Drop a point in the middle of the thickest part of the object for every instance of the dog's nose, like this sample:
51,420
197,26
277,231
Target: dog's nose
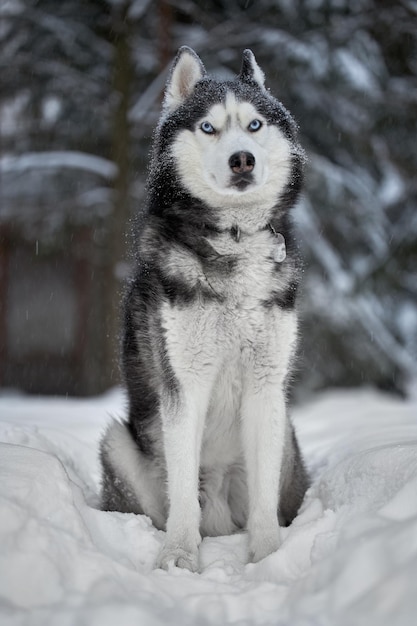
242,162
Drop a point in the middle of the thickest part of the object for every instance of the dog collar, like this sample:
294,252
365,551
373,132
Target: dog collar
280,251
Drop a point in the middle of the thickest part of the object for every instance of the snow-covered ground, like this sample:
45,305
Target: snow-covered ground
350,558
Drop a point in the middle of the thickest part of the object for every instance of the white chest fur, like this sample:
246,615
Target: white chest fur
252,277
214,347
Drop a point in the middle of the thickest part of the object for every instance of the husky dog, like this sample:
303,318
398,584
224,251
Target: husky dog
210,325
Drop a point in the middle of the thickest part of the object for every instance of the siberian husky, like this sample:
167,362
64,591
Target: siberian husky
210,324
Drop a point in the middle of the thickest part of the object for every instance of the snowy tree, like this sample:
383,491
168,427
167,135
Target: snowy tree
65,151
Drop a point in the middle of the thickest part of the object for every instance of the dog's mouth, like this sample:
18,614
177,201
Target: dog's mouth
241,181
237,184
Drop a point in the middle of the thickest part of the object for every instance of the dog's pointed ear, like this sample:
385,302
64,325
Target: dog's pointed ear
186,71
250,71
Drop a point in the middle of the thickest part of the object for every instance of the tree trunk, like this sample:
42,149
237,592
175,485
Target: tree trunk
115,240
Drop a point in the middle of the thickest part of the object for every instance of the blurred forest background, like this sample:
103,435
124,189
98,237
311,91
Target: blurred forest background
80,92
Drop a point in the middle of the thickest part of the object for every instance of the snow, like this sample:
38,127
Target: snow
350,558
358,73
58,159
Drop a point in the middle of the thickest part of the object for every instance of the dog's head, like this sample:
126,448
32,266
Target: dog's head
232,144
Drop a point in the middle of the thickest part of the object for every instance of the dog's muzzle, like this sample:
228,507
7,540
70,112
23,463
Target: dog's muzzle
242,165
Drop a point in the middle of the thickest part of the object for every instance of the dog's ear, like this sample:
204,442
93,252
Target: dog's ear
250,71
186,71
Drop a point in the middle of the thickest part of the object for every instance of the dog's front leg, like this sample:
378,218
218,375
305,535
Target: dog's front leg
183,423
263,427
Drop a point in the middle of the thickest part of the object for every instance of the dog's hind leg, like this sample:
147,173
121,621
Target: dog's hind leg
294,479
216,517
131,482
238,495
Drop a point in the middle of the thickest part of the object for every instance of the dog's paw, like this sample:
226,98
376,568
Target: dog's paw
179,557
263,545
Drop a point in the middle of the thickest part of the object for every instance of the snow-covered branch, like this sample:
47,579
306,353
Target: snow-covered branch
59,160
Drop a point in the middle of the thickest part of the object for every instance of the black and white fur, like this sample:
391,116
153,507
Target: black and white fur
210,323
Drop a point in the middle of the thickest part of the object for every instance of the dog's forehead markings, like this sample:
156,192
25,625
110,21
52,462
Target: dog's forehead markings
232,112
218,115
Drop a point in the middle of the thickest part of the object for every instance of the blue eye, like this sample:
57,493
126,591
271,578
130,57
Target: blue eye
206,127
254,125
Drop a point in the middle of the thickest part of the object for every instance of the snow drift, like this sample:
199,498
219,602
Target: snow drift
350,558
